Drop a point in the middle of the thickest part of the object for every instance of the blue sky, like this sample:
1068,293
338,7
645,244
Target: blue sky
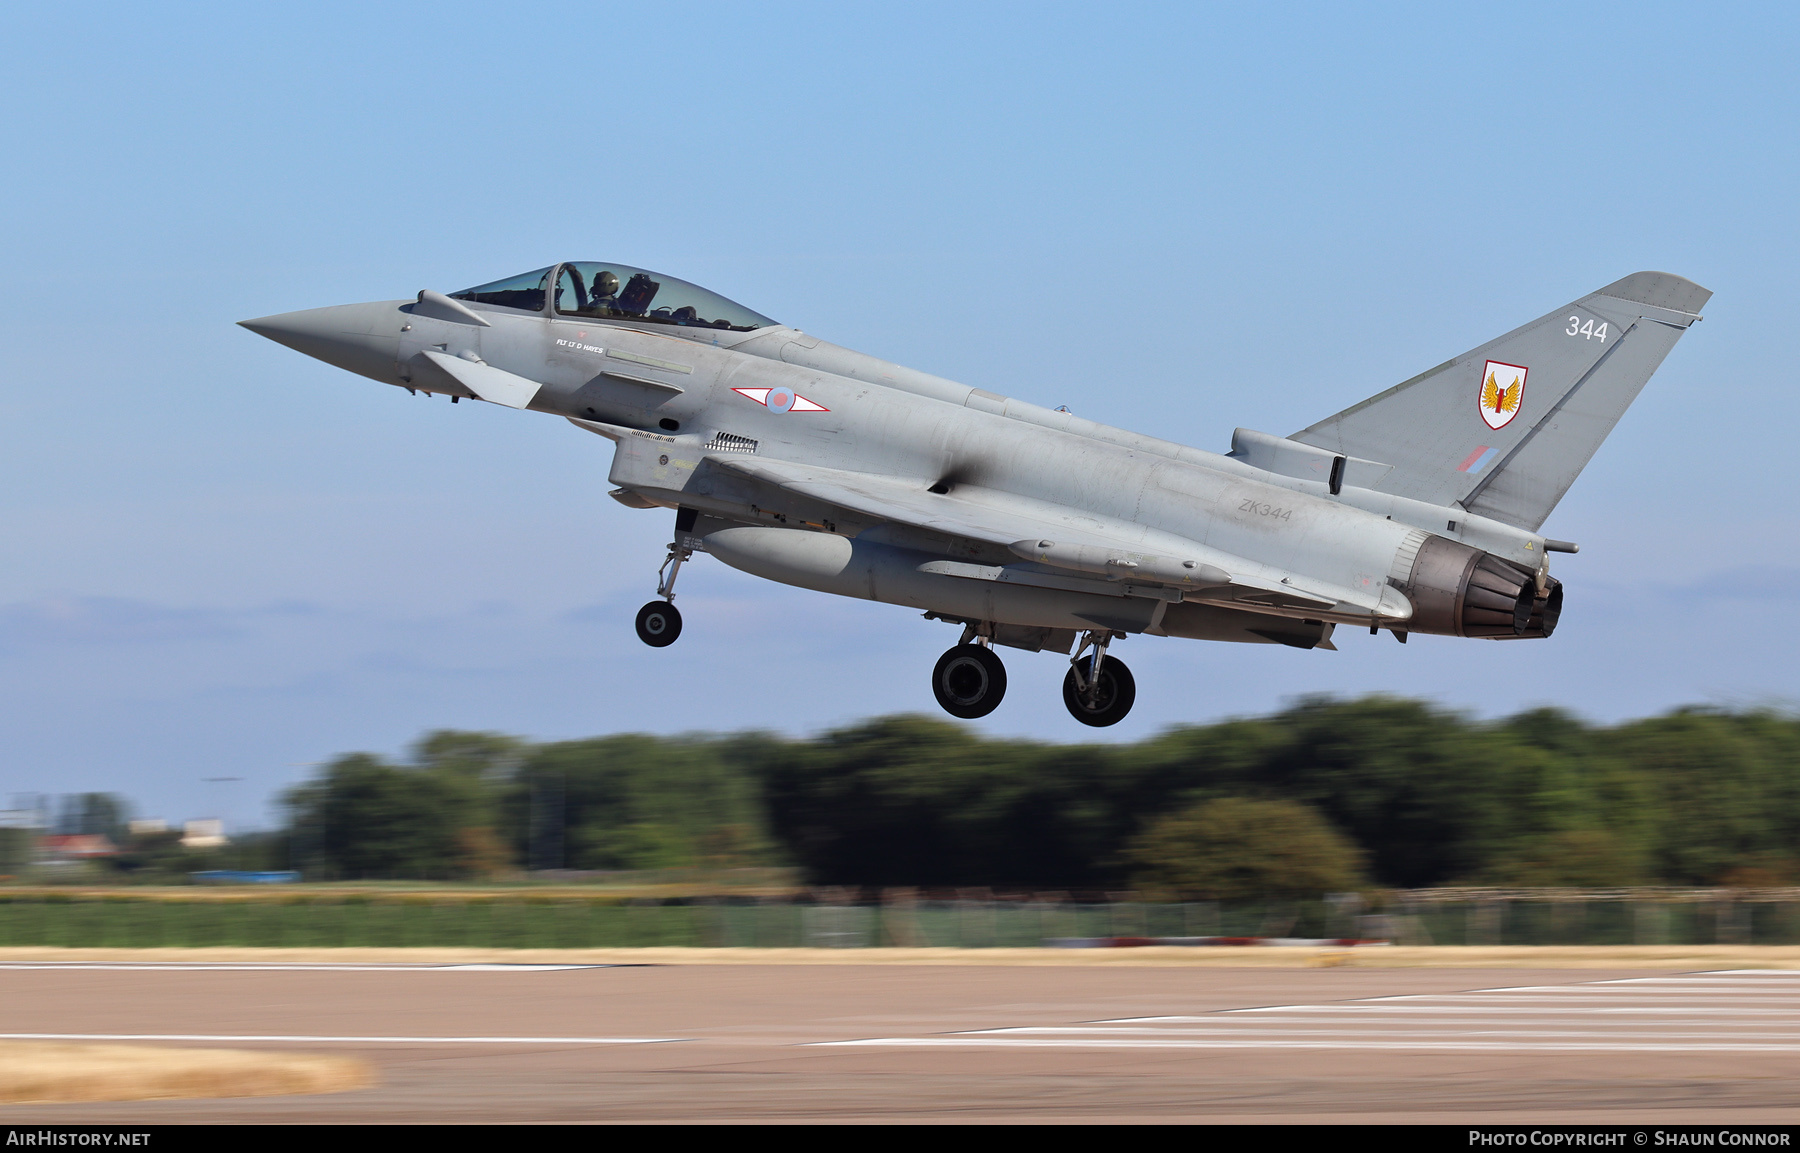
224,559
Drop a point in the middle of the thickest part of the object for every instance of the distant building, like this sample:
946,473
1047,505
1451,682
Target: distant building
76,847
206,833
149,826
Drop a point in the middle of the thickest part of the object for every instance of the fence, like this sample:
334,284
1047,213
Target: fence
1490,918
573,924
1590,917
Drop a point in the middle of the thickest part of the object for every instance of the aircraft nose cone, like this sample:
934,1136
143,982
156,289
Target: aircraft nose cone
360,338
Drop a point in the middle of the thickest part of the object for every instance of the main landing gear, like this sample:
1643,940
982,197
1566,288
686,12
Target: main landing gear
659,622
1098,691
969,680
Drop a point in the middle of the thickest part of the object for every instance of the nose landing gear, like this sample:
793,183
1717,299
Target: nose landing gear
1098,690
659,622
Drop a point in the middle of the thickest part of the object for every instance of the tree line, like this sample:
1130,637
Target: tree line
1326,794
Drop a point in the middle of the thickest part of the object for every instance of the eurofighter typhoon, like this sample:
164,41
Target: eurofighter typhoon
1415,511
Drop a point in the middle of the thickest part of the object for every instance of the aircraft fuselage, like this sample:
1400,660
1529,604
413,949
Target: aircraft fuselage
825,468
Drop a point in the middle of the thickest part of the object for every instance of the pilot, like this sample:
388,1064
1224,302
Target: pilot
603,294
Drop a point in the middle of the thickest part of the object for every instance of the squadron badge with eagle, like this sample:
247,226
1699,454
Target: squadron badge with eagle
1502,392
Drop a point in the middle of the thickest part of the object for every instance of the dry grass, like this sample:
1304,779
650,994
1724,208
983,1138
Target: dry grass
42,1072
1683,957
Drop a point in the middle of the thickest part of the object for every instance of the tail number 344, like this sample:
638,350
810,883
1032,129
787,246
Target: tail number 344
1588,331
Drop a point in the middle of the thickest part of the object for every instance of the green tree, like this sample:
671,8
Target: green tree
1725,790
918,801
1569,858
16,847
94,814
366,818
1420,789
1428,797
635,802
473,770
1571,813
1240,848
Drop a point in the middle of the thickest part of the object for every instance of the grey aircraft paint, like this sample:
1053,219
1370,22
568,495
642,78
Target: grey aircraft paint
817,466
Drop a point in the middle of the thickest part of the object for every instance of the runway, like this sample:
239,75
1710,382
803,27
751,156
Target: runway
1733,1012
594,1043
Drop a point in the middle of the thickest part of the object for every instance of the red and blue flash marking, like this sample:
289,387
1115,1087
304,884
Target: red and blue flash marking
1478,460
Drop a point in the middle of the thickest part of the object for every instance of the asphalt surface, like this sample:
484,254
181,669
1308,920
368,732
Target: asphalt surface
511,1044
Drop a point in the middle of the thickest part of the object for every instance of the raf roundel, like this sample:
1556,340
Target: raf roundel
780,400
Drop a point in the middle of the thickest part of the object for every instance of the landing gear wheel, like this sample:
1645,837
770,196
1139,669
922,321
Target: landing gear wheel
658,624
969,681
1109,701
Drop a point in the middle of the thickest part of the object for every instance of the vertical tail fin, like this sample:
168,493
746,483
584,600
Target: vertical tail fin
1504,429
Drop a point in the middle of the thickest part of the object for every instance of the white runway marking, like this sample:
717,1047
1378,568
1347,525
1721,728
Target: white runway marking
278,966
1715,975
1747,1011
1608,1011
295,1038
1672,996
1465,1046
1104,1030
1614,1024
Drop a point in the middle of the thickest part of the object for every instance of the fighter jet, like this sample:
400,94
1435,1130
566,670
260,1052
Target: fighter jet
785,456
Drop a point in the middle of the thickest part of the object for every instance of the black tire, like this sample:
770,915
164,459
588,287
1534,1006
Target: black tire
658,624
1117,693
969,681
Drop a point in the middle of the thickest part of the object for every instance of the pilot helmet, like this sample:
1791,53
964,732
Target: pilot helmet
605,284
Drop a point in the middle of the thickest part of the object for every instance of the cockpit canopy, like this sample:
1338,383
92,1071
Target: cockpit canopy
616,292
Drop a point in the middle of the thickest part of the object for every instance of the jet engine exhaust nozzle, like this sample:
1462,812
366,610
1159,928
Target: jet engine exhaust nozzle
1461,591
